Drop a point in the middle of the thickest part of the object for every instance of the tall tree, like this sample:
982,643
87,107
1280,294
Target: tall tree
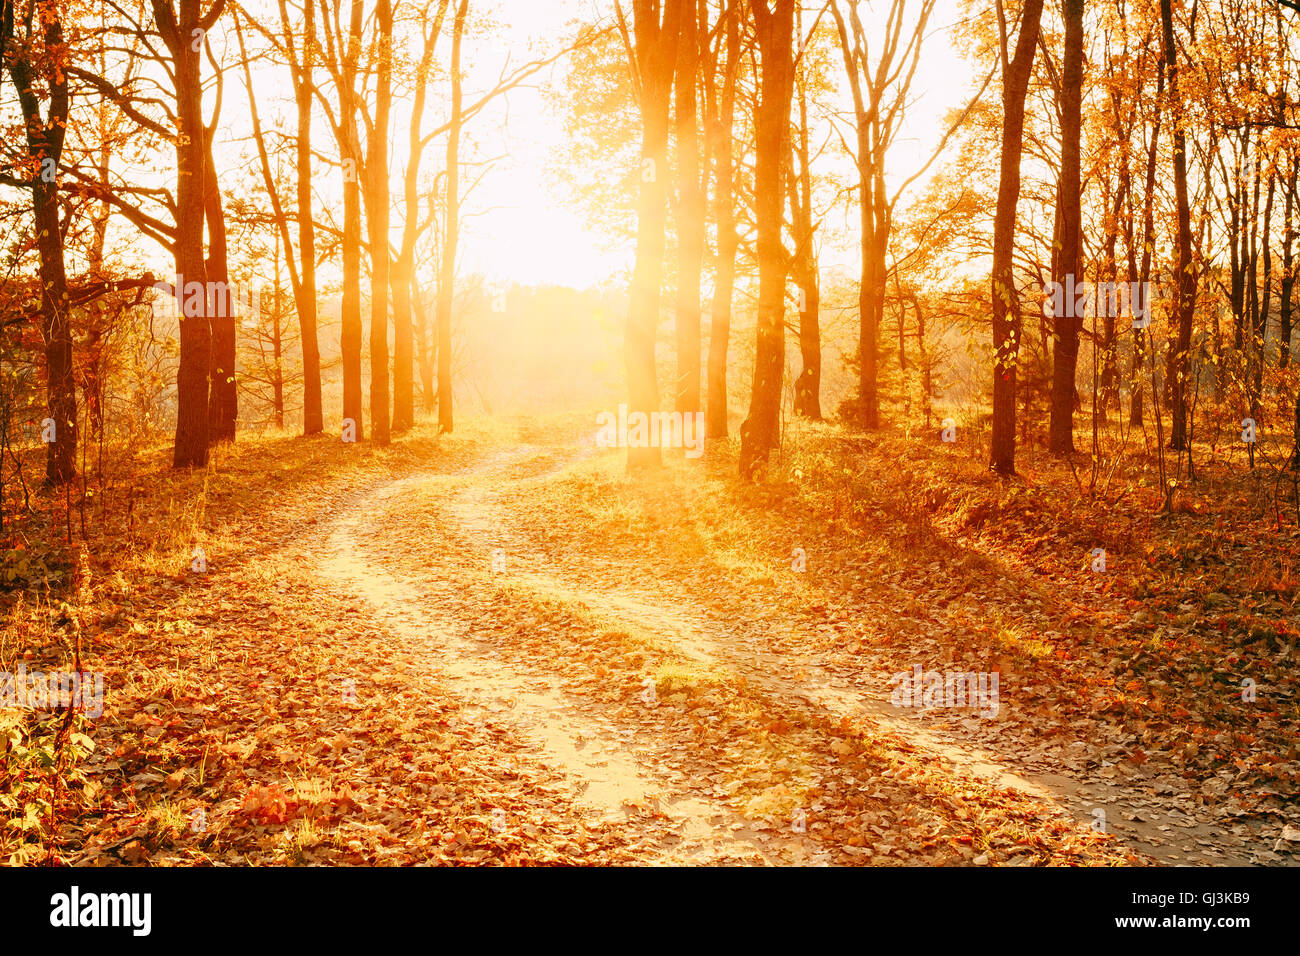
403,278
880,93
183,26
223,396
774,30
1286,287
721,105
37,64
1141,336
377,217
651,46
692,206
451,224
6,25
807,387
1016,71
1185,279
1065,332
302,266
304,282
342,60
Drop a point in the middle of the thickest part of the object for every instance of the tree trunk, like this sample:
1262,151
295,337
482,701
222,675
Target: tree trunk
1109,368
191,446
774,28
302,273
45,148
313,419
377,216
1006,307
728,239
1288,271
692,210
277,347
223,398
655,45
1260,329
350,328
403,346
451,230
1142,336
404,284
1185,283
1065,338
807,387
427,389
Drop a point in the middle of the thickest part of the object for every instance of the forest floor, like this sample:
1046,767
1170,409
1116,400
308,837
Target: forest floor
496,647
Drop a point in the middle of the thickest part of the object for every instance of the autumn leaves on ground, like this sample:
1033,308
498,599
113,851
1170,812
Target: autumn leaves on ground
496,647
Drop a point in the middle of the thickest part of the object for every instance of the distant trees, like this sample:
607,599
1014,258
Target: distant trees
296,42
880,91
1182,134
1133,144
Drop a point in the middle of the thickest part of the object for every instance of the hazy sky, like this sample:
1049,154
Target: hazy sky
519,229
519,226
522,230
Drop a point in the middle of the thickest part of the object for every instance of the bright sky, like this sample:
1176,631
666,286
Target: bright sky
518,225
521,230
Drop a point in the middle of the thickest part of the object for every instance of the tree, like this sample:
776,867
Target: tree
1016,71
721,104
377,216
692,206
774,29
451,227
403,279
183,28
342,62
1185,280
298,45
1065,337
879,96
223,397
38,63
651,47
807,387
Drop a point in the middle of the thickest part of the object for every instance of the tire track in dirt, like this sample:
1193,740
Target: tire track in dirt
693,631
609,776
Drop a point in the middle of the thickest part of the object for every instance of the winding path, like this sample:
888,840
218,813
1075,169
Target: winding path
616,771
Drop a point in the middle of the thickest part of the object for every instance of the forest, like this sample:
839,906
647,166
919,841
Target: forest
649,432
